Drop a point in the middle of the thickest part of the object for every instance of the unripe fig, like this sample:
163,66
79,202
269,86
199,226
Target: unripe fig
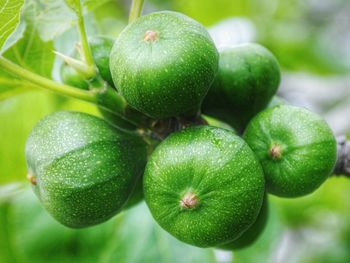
296,149
82,169
101,47
163,64
247,79
204,186
253,233
73,78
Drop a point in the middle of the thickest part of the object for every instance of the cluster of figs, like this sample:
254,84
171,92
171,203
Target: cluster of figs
206,185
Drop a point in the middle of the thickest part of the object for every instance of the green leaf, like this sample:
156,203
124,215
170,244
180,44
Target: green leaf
15,36
32,53
17,117
9,18
75,5
93,4
140,239
29,52
130,237
9,191
9,90
51,18
7,253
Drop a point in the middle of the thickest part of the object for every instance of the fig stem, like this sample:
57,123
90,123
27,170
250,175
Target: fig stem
161,128
135,10
342,166
45,82
86,51
106,98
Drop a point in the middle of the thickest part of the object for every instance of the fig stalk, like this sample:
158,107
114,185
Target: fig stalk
87,54
136,9
105,98
46,83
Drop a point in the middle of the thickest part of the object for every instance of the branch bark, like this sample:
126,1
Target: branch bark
164,127
342,166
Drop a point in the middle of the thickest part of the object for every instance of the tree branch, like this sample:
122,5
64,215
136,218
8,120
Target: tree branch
342,166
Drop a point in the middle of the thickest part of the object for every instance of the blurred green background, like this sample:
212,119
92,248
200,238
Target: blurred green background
311,39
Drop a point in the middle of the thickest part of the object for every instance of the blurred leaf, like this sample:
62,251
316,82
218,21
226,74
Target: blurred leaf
200,9
17,117
9,88
110,16
311,210
298,32
131,237
50,17
29,52
74,5
297,48
32,53
15,36
9,18
318,224
7,253
9,191
93,4
140,239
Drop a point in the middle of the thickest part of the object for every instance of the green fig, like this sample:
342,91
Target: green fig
72,77
253,233
163,64
247,79
101,48
82,169
204,186
296,149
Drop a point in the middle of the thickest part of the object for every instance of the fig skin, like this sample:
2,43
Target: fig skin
253,233
296,148
101,48
247,79
163,64
82,169
204,186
